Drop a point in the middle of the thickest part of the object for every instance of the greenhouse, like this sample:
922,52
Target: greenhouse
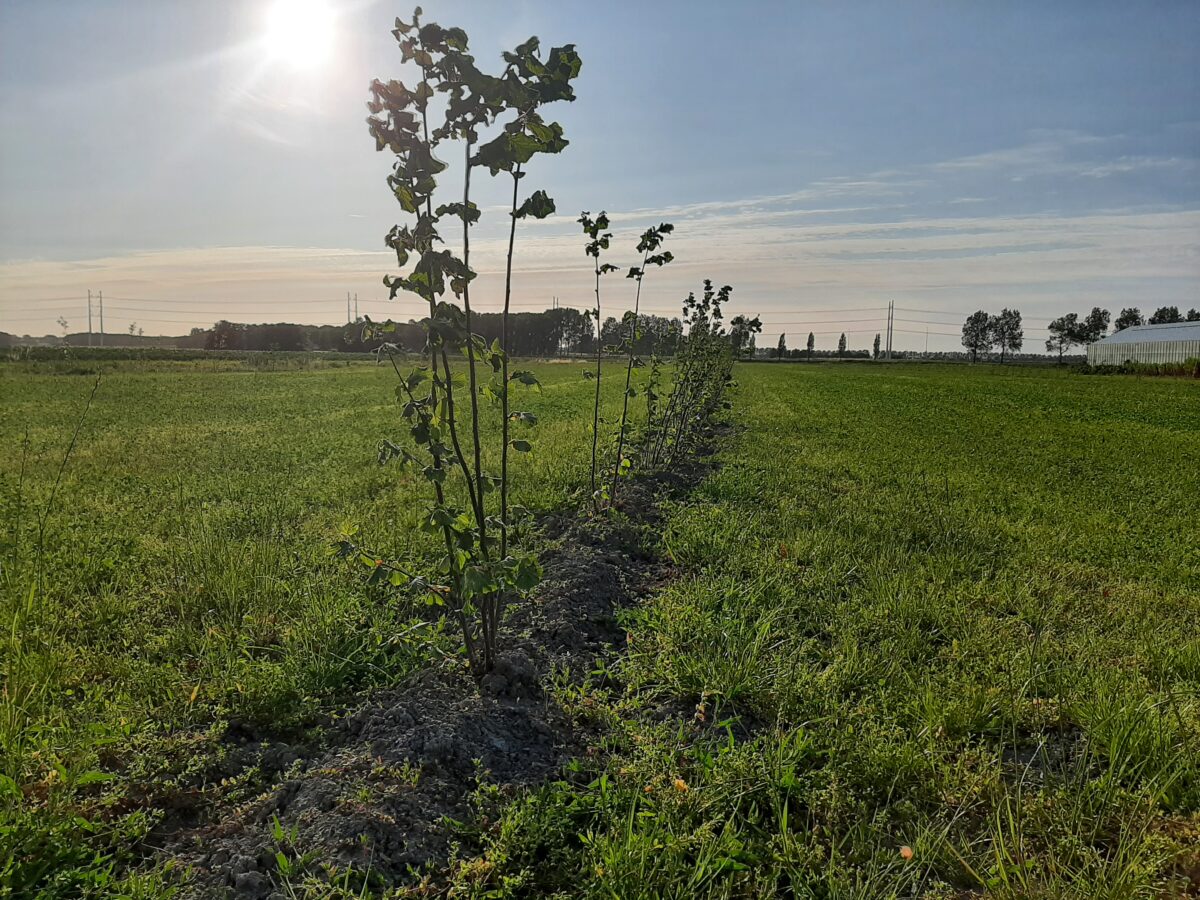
1168,343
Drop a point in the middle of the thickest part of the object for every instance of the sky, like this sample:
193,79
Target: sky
824,158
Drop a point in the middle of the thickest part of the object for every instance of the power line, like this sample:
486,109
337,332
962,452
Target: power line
943,312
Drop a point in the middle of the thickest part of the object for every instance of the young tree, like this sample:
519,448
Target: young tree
1007,332
781,347
1095,326
875,348
599,239
651,240
812,343
62,323
1165,315
842,345
1128,318
528,84
977,333
476,580
1064,334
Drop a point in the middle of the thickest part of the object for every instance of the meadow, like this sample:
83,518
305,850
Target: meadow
933,634
186,578
931,630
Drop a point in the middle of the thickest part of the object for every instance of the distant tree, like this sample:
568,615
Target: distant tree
842,345
1064,334
875,348
225,335
62,323
812,343
752,349
741,334
1128,318
1165,315
1095,326
977,333
781,349
132,328
1193,315
1006,331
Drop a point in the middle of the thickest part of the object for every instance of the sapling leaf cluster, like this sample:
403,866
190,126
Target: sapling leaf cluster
497,122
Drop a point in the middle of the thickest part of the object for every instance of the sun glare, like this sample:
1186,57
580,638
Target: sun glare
299,32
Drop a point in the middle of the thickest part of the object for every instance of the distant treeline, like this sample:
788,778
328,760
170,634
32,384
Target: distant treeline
554,332
1035,359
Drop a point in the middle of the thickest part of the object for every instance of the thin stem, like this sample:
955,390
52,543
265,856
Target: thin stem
596,406
471,354
439,492
489,607
628,379
512,235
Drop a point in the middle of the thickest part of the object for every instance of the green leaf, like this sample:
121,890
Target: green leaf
476,580
539,205
407,201
525,378
521,446
528,573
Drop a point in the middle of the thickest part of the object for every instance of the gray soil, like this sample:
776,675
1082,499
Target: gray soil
384,791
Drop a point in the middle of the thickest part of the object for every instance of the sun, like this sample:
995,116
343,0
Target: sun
299,32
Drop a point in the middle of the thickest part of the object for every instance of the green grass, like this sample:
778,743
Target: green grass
951,609
186,578
945,608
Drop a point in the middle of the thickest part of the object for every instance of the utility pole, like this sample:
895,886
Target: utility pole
101,318
89,317
356,307
889,329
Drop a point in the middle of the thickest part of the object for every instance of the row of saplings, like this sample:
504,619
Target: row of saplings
497,124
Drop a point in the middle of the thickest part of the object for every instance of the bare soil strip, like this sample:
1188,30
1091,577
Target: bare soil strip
388,782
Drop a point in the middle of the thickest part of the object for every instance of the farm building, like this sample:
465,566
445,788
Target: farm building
1170,343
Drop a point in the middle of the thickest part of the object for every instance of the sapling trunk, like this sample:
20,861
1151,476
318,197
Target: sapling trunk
637,299
488,605
504,403
596,404
456,580
439,491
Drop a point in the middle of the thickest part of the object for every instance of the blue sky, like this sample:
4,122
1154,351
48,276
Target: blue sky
823,158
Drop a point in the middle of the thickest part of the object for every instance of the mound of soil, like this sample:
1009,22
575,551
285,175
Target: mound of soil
393,777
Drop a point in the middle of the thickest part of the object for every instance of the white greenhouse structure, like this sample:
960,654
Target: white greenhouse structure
1171,343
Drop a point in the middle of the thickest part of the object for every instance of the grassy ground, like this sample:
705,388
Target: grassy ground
934,630
934,635
186,579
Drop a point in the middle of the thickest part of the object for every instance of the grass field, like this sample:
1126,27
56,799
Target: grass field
187,577
947,613
954,611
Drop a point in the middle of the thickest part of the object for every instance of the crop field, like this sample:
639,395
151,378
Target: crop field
929,630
